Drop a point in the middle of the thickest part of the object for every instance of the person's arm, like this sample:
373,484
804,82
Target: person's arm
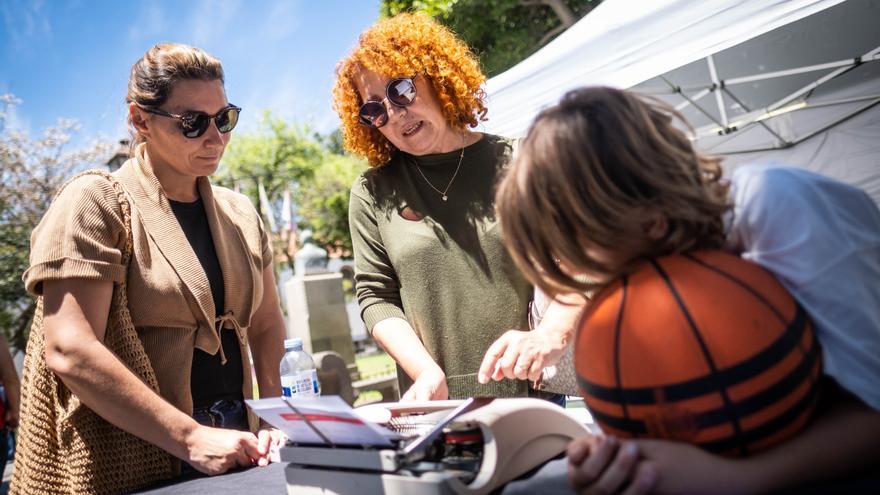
378,293
266,339
398,338
524,354
9,377
75,321
842,439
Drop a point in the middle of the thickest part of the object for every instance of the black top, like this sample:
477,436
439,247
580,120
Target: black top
210,380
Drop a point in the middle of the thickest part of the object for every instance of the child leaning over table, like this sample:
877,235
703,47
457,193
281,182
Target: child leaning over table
603,179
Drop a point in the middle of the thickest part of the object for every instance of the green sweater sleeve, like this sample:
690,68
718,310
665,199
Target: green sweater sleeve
376,283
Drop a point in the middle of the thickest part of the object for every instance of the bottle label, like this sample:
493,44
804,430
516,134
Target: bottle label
302,384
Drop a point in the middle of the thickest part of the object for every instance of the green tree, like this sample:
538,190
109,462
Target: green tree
312,166
324,203
501,32
31,171
279,155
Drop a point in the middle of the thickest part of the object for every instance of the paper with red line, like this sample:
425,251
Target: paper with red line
326,420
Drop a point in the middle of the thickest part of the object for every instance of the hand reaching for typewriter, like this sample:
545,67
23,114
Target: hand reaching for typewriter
269,440
430,385
521,355
216,450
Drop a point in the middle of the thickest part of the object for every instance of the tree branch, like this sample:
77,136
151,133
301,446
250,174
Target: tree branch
550,34
565,15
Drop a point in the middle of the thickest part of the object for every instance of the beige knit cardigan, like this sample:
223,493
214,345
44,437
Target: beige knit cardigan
82,236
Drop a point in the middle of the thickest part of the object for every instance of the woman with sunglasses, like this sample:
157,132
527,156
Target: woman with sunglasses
435,284
200,285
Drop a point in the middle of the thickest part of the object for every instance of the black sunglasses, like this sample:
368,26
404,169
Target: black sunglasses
400,92
194,124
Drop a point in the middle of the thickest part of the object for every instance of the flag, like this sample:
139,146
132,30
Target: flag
286,214
265,205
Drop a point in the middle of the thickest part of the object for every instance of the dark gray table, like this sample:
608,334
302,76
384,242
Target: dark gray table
269,480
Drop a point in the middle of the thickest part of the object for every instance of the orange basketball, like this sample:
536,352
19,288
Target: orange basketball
705,348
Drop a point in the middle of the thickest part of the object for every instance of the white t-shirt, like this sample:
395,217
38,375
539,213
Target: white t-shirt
821,238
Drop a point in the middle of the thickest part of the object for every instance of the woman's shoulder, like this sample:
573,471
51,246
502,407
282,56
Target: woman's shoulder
92,193
366,184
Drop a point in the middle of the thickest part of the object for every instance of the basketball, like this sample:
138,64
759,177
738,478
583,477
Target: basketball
704,348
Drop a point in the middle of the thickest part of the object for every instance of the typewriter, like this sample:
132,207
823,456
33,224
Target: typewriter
467,447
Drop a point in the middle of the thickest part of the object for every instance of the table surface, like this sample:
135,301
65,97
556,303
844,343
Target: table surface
269,480
548,479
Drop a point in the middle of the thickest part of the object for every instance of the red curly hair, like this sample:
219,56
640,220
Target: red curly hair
404,45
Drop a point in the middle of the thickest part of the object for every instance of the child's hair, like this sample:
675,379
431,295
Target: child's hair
602,166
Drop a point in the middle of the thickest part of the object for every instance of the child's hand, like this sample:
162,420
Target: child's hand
605,465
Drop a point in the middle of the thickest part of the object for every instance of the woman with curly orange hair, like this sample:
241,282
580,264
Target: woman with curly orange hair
435,284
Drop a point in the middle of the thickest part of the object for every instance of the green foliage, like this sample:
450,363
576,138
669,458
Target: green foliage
277,153
324,201
433,8
501,32
313,166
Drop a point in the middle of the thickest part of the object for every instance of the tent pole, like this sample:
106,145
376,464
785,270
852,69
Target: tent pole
763,124
711,117
801,70
719,98
805,136
872,56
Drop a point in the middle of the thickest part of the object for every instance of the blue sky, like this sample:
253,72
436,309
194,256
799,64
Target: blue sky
71,58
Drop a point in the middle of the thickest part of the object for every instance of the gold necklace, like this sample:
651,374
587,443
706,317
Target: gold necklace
442,193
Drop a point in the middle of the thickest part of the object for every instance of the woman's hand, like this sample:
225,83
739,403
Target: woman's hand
269,440
217,450
521,355
430,385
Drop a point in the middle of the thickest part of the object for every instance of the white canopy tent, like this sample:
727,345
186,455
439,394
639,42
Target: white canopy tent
792,81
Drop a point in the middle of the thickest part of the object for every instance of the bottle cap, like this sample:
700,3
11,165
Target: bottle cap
295,343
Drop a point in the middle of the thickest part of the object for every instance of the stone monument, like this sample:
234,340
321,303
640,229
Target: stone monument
316,304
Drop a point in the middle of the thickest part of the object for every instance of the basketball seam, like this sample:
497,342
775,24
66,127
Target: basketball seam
617,330
745,407
739,373
734,420
738,282
768,428
749,289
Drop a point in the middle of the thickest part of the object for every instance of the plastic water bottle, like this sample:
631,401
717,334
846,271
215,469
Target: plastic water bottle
298,375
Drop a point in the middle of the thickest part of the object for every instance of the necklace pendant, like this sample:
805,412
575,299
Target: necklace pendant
445,197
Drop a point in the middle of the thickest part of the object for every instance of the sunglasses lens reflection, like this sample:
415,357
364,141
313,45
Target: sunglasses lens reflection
373,114
196,124
401,92
227,120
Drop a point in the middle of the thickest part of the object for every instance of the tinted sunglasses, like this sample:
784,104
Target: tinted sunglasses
400,92
194,124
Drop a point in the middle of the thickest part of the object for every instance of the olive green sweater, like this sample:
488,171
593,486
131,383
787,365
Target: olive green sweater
440,265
